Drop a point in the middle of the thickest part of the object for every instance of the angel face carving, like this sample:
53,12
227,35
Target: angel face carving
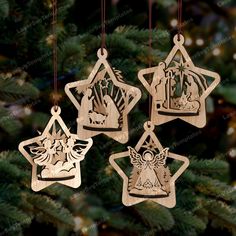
146,176
150,176
55,155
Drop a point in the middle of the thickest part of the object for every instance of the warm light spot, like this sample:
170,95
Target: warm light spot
199,42
188,41
234,56
232,153
174,23
230,130
27,111
216,52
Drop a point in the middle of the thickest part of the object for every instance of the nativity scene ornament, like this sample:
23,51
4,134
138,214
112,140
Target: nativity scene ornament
103,101
179,88
55,155
150,177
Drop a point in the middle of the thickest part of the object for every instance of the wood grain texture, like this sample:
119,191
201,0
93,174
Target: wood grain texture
178,88
55,155
150,178
103,101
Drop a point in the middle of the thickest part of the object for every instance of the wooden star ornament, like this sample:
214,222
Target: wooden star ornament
55,155
149,177
178,88
103,101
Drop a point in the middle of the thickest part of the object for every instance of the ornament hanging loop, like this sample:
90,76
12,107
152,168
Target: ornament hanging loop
148,126
102,53
179,39
56,110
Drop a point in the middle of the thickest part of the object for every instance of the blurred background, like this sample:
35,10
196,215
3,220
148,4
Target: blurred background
206,196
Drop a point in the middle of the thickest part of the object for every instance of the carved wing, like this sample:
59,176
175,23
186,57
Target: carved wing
136,159
160,158
41,157
78,151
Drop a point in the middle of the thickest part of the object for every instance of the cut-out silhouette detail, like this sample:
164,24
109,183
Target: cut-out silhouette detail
103,101
55,155
149,177
179,88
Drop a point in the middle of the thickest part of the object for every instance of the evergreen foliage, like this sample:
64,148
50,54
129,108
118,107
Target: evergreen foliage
206,198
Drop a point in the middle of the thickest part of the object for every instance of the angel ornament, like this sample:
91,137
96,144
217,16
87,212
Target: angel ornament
55,155
150,176
147,175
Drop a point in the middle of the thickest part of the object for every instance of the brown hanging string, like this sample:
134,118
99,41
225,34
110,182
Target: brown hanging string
180,14
103,22
150,46
54,25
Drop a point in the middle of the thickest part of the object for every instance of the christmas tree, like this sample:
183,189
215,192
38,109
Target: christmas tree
206,195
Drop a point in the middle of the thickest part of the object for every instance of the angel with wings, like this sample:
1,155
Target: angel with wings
43,154
74,151
58,157
150,176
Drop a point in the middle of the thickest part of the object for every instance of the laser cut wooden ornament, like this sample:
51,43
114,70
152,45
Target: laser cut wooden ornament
179,88
103,101
150,177
55,155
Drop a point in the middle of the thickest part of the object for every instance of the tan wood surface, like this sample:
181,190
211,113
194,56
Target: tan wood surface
178,88
150,178
55,155
103,101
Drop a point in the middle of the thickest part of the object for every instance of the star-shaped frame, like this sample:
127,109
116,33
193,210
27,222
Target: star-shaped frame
128,199
191,110
103,101
66,149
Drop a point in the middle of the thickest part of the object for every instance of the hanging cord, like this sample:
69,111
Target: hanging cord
103,26
180,14
150,47
150,31
54,28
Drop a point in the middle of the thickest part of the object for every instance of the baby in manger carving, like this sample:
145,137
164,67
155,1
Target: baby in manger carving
101,112
103,101
179,88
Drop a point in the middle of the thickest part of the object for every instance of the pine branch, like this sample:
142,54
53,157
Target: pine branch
128,223
4,9
215,188
11,90
209,167
155,216
221,214
49,210
10,214
141,36
10,193
10,172
8,122
186,223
